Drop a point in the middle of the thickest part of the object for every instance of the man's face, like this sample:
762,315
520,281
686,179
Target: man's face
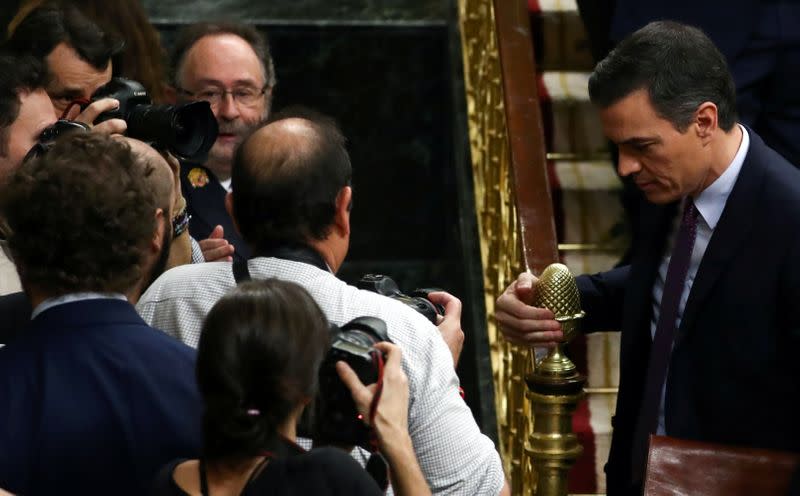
72,77
35,114
665,163
225,63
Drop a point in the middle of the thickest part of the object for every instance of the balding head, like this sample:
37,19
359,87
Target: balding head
161,180
286,179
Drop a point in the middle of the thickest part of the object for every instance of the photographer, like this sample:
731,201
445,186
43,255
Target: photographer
257,369
77,54
291,201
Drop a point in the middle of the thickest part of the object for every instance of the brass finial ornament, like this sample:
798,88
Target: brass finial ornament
555,387
557,291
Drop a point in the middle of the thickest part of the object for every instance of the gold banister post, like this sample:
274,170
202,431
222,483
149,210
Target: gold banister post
513,200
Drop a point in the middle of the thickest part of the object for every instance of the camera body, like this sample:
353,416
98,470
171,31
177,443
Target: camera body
336,419
188,131
418,299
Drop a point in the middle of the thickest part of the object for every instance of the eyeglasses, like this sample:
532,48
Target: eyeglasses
50,134
246,96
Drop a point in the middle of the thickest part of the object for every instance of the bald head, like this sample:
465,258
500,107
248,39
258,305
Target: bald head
161,179
280,147
286,177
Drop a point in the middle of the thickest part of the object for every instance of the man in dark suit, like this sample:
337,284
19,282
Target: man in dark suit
708,333
94,400
230,66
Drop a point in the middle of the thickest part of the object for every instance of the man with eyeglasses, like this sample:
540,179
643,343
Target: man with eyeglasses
230,66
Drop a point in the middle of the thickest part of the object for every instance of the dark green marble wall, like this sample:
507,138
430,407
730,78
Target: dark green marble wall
300,10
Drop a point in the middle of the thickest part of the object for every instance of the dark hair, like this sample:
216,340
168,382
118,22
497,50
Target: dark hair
259,355
81,216
191,34
143,58
285,193
17,75
677,64
47,26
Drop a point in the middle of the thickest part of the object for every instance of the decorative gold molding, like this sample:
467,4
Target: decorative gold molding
501,253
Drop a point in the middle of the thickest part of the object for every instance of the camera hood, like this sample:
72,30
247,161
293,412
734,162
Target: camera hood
187,130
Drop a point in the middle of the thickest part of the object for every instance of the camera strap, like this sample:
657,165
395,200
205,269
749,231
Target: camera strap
240,271
297,253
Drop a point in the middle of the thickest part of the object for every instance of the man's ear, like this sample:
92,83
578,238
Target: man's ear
158,242
229,209
343,203
706,120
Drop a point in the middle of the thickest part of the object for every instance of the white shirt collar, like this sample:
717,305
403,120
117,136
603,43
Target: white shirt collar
226,184
711,201
71,298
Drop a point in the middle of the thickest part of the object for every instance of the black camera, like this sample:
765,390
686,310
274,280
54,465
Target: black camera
51,133
418,299
188,131
336,419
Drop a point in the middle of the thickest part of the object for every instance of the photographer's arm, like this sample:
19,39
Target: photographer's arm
391,420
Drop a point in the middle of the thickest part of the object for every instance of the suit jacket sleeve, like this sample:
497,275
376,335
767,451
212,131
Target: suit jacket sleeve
602,297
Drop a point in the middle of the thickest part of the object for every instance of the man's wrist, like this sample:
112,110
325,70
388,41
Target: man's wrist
395,442
180,221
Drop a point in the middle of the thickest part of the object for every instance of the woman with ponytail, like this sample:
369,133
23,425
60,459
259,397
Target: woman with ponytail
257,366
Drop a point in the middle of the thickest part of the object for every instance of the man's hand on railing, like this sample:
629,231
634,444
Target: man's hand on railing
520,321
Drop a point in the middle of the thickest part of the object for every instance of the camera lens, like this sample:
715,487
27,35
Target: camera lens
188,131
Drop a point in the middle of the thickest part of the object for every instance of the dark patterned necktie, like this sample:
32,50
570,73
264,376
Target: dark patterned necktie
664,336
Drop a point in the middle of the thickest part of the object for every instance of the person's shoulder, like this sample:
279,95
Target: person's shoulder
188,281
389,308
164,482
328,456
165,344
782,176
339,472
323,460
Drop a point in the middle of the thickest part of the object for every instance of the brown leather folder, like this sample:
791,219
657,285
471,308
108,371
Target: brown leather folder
679,467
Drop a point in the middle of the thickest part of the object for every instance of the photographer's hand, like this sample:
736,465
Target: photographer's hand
450,324
391,419
216,248
92,111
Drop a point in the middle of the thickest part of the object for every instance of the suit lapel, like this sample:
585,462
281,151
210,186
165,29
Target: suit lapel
733,228
206,197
